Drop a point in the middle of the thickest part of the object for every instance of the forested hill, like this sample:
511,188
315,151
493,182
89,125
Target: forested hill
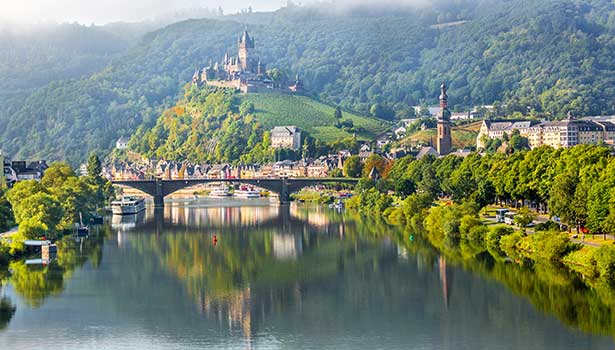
543,57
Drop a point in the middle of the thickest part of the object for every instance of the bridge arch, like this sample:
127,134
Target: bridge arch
283,187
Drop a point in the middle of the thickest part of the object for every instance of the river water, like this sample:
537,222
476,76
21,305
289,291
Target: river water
206,274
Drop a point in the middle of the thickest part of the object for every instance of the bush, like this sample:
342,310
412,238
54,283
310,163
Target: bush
493,239
511,246
477,234
605,263
468,222
547,226
550,245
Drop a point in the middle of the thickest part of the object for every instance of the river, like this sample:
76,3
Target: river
211,274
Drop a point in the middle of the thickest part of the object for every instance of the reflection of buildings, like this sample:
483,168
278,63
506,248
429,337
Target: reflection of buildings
220,216
443,279
287,246
127,222
236,308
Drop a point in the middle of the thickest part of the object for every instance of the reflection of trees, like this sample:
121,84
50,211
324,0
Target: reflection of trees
7,310
36,282
550,289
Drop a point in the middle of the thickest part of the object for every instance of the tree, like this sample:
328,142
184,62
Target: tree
404,187
353,167
57,174
375,161
94,168
562,197
338,113
524,217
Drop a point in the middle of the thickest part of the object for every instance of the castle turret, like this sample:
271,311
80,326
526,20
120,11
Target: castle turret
196,77
246,45
444,124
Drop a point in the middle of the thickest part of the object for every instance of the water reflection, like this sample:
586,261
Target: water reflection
287,277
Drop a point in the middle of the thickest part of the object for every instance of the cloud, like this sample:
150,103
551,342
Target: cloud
103,11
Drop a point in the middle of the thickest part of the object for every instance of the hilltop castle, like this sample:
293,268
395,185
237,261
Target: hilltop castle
244,72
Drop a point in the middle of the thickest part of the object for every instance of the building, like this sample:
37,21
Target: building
244,72
495,129
122,143
427,151
286,137
562,133
444,143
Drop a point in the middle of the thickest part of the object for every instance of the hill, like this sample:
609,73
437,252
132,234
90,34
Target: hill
318,119
218,125
463,136
530,56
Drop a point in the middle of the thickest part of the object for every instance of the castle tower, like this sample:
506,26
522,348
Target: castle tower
246,45
445,143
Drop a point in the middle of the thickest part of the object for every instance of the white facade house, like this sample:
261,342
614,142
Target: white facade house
287,137
122,143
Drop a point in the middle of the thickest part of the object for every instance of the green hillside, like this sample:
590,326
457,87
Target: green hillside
316,118
542,57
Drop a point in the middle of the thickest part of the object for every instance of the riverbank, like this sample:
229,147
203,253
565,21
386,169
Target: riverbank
443,200
50,209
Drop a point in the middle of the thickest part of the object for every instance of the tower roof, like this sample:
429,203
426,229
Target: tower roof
246,39
443,88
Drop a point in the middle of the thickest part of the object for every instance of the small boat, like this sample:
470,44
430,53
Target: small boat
82,230
245,192
221,191
96,219
128,205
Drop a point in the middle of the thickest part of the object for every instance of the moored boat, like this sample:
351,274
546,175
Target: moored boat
221,191
246,192
128,205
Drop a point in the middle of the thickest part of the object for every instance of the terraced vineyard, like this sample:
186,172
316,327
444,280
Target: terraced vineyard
310,115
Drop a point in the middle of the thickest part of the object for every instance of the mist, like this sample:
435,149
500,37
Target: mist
28,12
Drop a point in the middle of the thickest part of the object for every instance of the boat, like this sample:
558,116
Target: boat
221,191
82,230
245,192
128,205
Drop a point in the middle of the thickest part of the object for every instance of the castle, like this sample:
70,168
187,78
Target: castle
244,72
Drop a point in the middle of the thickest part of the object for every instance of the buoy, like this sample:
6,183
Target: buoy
215,240
411,238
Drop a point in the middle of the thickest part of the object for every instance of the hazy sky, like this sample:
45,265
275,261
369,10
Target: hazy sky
103,11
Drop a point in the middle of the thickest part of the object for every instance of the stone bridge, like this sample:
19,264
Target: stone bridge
283,187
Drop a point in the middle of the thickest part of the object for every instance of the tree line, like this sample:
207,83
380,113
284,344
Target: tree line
443,197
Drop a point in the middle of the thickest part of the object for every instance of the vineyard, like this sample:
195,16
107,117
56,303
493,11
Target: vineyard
310,115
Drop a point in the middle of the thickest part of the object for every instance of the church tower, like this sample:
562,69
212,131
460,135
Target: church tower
445,143
246,45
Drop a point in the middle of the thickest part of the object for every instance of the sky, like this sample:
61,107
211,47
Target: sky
105,11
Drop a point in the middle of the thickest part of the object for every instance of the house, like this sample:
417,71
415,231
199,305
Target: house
462,116
34,171
400,132
218,171
495,129
384,139
427,151
122,143
365,152
286,137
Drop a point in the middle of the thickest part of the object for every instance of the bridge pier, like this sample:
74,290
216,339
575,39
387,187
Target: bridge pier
284,195
159,194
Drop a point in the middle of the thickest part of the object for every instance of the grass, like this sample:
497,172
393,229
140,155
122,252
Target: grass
463,137
316,118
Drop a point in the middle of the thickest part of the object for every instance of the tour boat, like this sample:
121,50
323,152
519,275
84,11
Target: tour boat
128,205
245,192
221,191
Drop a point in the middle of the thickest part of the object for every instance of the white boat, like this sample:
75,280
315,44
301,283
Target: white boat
220,192
245,192
128,205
